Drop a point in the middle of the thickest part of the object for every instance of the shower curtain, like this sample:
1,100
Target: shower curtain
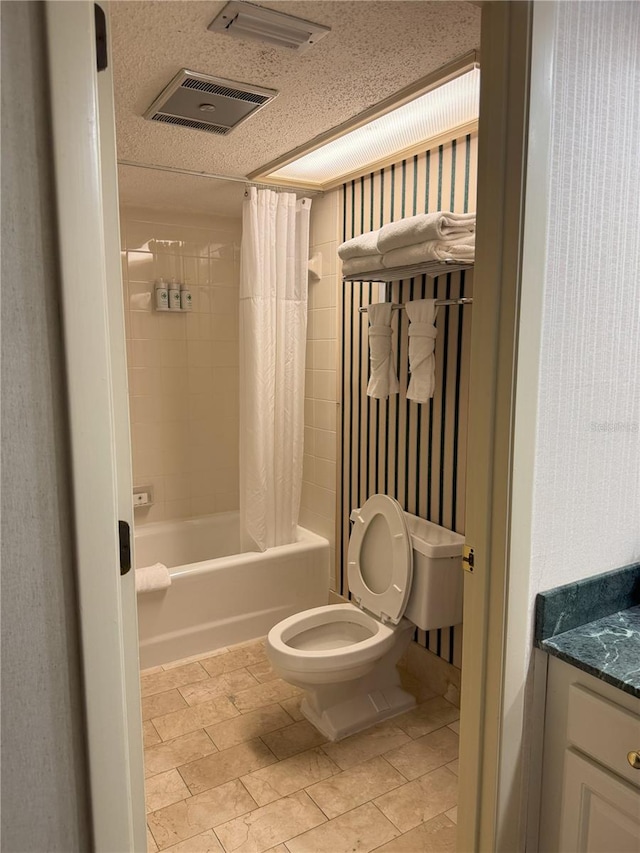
273,331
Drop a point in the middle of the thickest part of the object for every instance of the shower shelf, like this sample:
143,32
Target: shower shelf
430,268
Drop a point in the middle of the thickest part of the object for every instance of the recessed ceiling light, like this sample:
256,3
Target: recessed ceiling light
436,107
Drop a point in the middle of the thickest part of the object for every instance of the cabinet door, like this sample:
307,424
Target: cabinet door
600,813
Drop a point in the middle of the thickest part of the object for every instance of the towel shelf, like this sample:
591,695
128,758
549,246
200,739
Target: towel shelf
430,268
463,300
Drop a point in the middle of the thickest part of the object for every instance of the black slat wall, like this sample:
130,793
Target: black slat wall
414,452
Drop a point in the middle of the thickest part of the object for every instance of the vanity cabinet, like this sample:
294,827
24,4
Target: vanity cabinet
590,799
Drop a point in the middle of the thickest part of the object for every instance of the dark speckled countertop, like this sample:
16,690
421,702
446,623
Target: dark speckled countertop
594,624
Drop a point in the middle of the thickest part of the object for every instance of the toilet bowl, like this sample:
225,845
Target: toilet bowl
403,572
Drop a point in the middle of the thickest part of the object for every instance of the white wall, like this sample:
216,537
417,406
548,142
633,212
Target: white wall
586,499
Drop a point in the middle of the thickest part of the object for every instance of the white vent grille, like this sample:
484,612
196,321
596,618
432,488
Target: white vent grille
225,91
194,125
200,102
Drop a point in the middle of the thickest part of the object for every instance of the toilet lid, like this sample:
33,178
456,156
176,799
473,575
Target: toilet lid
380,560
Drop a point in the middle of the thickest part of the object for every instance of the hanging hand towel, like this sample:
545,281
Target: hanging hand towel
422,342
366,263
383,379
432,250
442,226
151,578
356,247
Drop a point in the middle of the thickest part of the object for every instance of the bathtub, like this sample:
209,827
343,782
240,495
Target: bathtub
218,596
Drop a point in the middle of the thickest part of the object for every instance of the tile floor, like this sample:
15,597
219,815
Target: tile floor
232,766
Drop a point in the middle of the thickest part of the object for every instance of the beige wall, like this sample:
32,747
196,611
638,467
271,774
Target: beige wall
318,503
183,368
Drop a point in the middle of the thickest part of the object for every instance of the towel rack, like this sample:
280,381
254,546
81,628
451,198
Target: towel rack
429,268
464,300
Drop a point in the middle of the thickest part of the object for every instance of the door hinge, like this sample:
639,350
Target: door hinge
124,535
101,37
468,558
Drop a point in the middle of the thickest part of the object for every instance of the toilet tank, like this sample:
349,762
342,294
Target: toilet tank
436,591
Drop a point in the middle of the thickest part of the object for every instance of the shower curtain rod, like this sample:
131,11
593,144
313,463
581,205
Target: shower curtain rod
465,300
233,178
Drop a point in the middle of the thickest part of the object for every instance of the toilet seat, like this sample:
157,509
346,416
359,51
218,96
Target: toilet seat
380,559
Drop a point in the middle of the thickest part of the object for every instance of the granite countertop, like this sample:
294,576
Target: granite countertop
595,625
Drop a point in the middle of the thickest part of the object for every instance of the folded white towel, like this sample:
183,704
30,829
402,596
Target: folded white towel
422,342
150,578
383,380
356,247
425,226
432,250
363,264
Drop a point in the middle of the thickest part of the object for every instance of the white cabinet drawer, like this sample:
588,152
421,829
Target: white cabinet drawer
604,731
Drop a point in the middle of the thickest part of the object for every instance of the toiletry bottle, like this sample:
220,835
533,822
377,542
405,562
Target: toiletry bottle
185,297
162,296
174,295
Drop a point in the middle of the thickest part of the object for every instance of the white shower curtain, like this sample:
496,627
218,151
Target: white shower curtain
273,331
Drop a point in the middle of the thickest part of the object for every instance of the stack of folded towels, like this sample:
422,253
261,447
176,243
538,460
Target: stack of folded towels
440,236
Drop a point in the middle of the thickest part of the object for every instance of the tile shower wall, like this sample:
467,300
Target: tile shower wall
414,452
183,367
318,502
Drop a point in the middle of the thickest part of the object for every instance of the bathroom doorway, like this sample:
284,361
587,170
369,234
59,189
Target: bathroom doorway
481,633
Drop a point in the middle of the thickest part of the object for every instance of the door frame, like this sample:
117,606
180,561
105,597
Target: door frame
491,803
85,168
83,128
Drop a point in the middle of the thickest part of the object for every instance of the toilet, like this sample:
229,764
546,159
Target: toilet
404,572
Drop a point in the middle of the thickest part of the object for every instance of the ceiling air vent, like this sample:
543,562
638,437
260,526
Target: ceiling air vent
201,102
247,21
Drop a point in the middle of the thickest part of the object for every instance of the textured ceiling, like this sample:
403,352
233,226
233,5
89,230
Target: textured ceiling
373,50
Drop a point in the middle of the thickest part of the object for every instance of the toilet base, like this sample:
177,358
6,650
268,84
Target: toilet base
343,708
361,712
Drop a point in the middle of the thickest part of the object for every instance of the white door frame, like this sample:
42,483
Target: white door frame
94,341
488,819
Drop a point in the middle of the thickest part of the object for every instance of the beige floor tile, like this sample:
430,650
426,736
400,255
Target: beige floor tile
247,726
227,684
224,766
361,830
425,753
288,776
359,747
292,739
262,671
420,800
236,658
292,707
437,835
264,694
162,703
452,814
194,815
171,754
149,734
454,766
270,825
427,717
152,847
281,848
189,719
356,786
168,679
455,727
151,670
206,842
164,789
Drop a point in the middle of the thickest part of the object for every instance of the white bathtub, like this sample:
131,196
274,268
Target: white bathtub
218,596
